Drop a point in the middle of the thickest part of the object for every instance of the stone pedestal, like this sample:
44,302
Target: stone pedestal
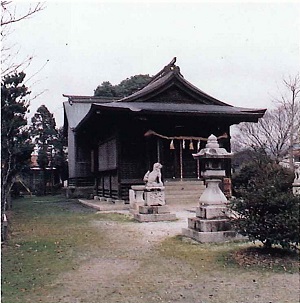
154,209
155,195
154,213
136,196
211,223
212,194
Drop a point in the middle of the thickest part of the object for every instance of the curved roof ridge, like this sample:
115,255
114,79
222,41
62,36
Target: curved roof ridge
166,76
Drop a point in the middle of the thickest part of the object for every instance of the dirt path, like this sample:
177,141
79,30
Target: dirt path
129,268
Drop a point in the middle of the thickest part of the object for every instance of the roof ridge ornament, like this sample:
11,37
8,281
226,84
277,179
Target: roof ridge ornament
171,67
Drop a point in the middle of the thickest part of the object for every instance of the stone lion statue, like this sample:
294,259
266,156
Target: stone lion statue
153,178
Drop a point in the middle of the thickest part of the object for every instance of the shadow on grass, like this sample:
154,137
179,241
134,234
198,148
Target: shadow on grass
239,255
264,259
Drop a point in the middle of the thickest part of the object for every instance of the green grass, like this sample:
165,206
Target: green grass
198,255
212,256
121,218
46,236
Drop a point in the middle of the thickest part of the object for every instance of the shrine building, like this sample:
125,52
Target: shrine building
113,143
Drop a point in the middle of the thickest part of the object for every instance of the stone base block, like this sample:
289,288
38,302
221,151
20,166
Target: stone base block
104,206
205,225
136,205
119,201
212,237
296,189
155,197
154,217
154,209
211,212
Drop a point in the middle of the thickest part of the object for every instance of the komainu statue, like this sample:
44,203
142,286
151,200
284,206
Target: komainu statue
153,178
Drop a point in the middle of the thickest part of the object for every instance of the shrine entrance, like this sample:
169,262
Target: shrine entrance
178,160
175,156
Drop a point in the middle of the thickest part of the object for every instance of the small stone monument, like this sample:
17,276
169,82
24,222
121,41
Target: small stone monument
296,183
212,217
154,208
136,197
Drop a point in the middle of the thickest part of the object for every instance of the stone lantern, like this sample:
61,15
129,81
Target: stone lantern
296,184
211,223
213,157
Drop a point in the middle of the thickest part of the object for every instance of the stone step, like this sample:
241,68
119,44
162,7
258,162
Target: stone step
183,191
183,183
183,197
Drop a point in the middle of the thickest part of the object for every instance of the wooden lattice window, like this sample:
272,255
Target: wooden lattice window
107,155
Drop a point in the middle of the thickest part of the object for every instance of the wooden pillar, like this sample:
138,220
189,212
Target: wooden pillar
180,160
158,150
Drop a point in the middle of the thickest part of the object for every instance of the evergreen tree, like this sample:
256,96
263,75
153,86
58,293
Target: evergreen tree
60,155
44,134
124,88
16,146
266,209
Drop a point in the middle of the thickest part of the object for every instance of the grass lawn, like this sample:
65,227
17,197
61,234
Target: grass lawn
46,236
60,251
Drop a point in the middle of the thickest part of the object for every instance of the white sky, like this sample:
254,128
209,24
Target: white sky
237,52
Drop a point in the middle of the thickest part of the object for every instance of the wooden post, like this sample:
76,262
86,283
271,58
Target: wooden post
158,150
181,164
198,169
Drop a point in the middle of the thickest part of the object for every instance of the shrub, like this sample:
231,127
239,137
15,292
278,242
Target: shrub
266,209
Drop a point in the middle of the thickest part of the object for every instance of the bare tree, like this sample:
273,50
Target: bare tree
291,104
278,131
9,52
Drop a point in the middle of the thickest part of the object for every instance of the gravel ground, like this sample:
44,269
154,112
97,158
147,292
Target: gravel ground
130,269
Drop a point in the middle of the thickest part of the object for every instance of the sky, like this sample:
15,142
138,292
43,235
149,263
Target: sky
238,52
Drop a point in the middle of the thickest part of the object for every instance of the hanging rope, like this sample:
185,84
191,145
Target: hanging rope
153,133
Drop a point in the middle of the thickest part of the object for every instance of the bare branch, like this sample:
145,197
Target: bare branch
279,129
9,18
9,53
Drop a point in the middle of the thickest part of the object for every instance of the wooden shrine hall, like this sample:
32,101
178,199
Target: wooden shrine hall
113,143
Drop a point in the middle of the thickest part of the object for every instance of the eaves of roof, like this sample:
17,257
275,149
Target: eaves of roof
176,109
180,108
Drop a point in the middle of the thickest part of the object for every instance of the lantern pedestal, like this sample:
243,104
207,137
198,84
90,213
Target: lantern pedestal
211,223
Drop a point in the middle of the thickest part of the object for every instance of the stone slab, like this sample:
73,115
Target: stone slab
154,209
119,201
212,237
154,217
135,206
102,206
211,212
213,225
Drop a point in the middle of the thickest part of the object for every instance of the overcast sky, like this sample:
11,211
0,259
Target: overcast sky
237,52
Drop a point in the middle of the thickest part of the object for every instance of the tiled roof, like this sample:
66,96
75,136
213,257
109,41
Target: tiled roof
189,101
168,76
